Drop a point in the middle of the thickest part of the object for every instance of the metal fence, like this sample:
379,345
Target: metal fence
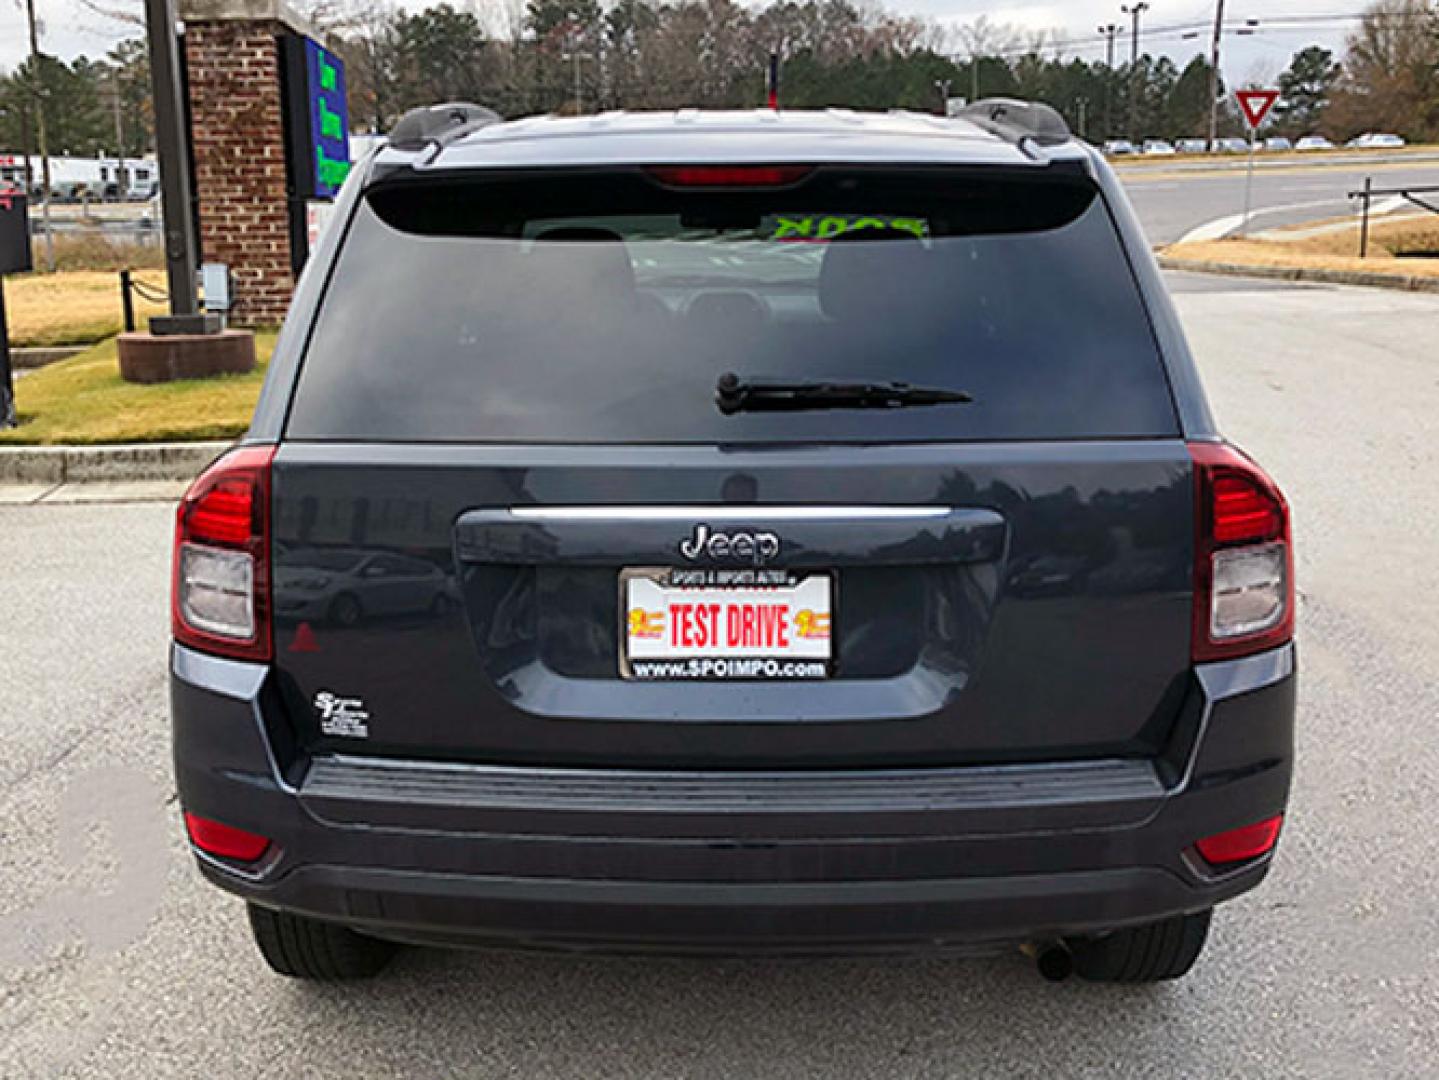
140,231
1369,193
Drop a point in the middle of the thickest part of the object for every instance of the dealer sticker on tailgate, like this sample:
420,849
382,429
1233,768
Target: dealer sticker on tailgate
725,624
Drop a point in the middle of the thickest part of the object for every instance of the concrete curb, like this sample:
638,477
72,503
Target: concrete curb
1400,282
124,463
37,356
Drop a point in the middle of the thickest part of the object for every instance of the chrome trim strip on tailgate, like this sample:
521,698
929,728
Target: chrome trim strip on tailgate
805,536
725,513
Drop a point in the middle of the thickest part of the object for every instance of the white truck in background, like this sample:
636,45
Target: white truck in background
76,178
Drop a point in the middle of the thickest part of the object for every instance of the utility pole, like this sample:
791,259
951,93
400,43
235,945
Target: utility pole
1134,12
575,37
37,82
1110,32
26,145
121,173
1214,75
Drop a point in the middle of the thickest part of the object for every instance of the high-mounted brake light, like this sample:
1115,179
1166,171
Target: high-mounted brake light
729,176
225,841
1241,844
1244,561
220,597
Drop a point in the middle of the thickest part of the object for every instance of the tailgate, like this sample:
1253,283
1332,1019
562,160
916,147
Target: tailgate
985,602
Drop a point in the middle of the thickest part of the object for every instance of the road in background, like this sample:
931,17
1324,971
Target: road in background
1330,969
1171,203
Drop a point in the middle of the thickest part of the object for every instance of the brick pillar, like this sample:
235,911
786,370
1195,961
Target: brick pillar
233,59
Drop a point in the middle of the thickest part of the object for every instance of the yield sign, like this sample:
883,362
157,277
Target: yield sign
1255,104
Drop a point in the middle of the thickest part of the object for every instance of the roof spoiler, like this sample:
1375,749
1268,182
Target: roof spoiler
440,124
1014,120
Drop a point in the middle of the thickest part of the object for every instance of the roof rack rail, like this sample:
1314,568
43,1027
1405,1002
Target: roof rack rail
440,124
1015,120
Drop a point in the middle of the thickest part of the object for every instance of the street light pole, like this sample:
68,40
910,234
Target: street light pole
1134,12
1110,32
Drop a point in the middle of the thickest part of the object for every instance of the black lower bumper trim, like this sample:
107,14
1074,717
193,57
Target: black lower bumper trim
705,917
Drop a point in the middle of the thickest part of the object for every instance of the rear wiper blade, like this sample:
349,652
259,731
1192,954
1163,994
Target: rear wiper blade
734,394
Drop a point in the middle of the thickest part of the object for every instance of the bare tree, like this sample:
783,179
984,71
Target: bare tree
1391,72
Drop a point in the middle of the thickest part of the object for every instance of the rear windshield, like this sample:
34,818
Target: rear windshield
604,307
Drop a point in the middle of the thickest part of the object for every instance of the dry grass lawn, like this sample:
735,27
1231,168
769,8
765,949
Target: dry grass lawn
84,400
72,307
1330,251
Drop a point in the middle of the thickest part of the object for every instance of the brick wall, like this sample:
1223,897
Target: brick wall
239,146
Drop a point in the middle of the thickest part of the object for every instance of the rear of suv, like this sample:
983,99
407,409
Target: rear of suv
730,533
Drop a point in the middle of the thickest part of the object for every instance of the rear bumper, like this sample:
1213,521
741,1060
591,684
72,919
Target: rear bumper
734,862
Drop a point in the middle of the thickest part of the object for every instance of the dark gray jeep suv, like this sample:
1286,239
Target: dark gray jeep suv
734,532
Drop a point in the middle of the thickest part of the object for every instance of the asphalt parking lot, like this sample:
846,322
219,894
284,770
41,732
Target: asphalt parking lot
1328,970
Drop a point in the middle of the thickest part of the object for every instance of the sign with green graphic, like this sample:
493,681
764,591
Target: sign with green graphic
819,228
318,118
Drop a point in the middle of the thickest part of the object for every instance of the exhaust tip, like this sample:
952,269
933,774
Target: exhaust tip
1052,958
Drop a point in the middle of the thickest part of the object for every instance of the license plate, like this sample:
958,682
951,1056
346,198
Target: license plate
725,624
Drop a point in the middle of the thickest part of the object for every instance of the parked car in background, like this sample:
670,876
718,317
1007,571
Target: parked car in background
1232,146
1314,142
1376,141
1192,146
343,586
1118,148
1157,148
1277,144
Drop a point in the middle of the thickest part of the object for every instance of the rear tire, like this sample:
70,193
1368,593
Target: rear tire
1153,952
302,948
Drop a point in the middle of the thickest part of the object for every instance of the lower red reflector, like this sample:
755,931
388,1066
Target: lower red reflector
1246,842
225,841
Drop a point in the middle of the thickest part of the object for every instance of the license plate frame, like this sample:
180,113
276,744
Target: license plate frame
805,665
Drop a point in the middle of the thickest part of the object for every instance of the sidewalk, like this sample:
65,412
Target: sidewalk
128,472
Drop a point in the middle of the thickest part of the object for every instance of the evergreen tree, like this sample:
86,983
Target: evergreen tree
1304,90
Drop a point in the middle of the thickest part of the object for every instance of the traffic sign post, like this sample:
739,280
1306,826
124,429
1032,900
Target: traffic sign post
1255,106
14,259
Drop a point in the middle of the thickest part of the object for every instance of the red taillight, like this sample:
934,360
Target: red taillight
729,176
220,597
1243,558
1245,842
1244,511
226,513
226,841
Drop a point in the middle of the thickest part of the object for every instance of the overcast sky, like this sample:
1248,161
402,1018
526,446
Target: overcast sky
1285,25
